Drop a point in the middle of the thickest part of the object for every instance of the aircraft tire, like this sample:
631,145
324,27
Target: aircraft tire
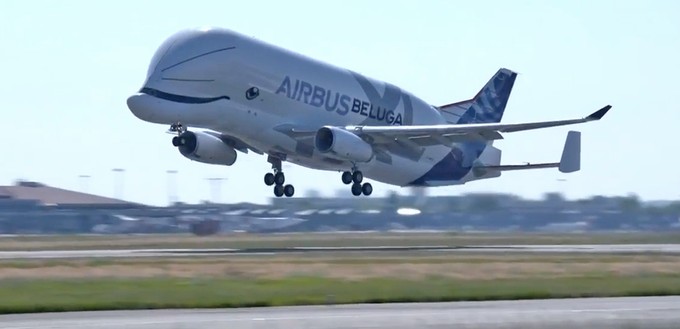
278,190
288,190
269,179
279,178
357,177
356,189
367,189
347,178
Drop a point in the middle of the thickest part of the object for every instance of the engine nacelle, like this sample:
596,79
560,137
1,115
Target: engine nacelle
205,148
342,144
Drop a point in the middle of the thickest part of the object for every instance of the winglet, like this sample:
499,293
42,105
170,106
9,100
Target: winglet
571,155
597,115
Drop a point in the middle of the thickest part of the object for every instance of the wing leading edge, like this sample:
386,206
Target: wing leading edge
475,131
408,141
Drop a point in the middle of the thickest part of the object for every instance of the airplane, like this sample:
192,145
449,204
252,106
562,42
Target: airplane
245,95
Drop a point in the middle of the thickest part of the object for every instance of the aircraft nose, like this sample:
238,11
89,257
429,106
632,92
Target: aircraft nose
186,64
139,105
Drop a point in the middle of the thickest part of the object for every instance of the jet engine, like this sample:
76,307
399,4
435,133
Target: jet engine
203,147
342,144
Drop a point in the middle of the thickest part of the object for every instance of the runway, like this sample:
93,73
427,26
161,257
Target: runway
600,313
136,253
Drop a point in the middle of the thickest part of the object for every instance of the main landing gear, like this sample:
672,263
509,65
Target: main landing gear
355,177
278,179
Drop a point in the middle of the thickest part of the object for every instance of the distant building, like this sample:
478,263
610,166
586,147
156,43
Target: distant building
27,193
33,208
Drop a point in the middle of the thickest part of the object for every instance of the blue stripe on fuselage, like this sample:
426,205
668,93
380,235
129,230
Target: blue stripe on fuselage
457,163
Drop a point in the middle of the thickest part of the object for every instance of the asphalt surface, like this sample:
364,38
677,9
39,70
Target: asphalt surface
131,253
600,313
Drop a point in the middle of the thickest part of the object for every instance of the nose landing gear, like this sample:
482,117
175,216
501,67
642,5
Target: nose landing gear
278,179
177,129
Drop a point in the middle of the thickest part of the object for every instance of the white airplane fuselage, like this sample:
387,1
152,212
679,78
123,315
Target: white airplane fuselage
223,81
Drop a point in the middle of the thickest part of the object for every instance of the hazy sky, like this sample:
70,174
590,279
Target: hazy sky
68,66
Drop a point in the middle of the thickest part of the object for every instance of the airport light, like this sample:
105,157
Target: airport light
215,188
408,211
118,182
172,186
83,183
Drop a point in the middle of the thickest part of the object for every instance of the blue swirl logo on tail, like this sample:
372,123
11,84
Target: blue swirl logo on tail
489,104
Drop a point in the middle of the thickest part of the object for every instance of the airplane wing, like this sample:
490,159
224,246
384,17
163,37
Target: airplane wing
234,142
409,141
425,135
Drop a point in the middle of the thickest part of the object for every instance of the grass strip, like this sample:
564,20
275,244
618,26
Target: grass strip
154,241
55,295
365,258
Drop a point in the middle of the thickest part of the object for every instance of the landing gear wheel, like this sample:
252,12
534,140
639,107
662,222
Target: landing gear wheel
356,189
288,190
346,177
279,178
278,190
366,189
357,177
175,141
269,179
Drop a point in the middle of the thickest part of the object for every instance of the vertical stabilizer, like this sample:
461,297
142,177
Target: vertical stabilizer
488,105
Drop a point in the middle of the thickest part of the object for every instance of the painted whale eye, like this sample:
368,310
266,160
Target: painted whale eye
252,92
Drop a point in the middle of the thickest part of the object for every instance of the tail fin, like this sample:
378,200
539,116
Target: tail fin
489,103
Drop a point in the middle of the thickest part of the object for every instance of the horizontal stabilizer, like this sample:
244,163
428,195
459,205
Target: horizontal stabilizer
570,162
520,167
